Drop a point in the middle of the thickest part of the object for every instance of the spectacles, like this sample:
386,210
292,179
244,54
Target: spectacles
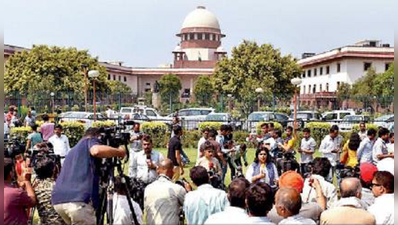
373,185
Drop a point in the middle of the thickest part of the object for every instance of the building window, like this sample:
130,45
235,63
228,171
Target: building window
303,75
387,66
327,70
114,77
309,73
320,87
366,66
315,72
309,89
207,36
200,36
338,67
125,79
109,76
303,89
120,78
327,87
314,89
321,71
191,36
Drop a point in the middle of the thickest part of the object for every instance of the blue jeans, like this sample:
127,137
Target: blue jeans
184,157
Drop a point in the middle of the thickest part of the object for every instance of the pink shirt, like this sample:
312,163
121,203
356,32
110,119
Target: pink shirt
47,129
15,202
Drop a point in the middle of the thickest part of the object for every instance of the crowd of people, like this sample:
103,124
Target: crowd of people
351,183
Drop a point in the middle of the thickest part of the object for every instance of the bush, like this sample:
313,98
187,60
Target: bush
318,130
215,125
158,133
190,138
276,126
355,128
103,124
20,133
74,131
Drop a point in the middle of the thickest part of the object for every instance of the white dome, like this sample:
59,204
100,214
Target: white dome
201,17
177,48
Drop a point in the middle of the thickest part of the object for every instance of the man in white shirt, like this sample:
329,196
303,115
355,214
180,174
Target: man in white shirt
390,145
288,205
205,200
163,199
121,210
380,150
109,112
236,212
144,163
330,148
60,143
383,190
320,171
362,131
307,149
202,140
365,150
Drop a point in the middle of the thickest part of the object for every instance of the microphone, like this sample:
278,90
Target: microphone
148,160
211,166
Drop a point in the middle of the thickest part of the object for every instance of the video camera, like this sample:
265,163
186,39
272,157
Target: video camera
116,136
13,147
348,171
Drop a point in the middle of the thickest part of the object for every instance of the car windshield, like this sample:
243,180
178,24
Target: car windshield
217,117
76,115
383,118
259,116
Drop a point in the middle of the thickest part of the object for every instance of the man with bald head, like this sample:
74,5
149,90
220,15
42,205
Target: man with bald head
163,199
288,205
350,209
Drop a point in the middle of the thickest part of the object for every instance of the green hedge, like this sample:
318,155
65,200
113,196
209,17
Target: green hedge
355,128
190,138
276,126
158,132
318,130
74,131
215,125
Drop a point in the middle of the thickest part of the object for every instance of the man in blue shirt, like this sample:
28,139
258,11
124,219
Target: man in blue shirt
76,193
204,201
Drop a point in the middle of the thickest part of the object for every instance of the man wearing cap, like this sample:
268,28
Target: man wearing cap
310,210
367,171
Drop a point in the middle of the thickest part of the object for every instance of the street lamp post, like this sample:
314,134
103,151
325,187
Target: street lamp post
259,91
229,102
94,74
295,81
53,101
85,74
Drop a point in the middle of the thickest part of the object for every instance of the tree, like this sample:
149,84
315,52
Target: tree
170,86
252,66
203,90
117,87
343,92
384,86
46,69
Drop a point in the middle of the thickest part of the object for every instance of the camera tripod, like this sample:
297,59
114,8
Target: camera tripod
107,190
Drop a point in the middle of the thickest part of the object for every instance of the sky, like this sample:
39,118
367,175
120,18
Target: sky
142,33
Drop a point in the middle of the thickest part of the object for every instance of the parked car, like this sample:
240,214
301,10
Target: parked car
336,116
349,121
304,117
256,117
150,113
87,118
384,121
191,117
225,118
282,118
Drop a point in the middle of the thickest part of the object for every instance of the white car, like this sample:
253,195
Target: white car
191,117
87,118
349,121
385,121
336,116
151,113
256,117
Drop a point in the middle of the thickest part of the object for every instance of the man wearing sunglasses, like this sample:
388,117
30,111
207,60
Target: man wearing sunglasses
383,189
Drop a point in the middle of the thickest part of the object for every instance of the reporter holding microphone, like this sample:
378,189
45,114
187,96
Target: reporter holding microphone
75,195
262,169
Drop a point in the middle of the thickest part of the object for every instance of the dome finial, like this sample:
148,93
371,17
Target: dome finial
201,7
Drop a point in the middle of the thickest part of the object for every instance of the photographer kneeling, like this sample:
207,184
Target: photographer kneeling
75,195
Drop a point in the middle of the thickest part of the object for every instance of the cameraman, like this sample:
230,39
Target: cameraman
16,199
75,195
